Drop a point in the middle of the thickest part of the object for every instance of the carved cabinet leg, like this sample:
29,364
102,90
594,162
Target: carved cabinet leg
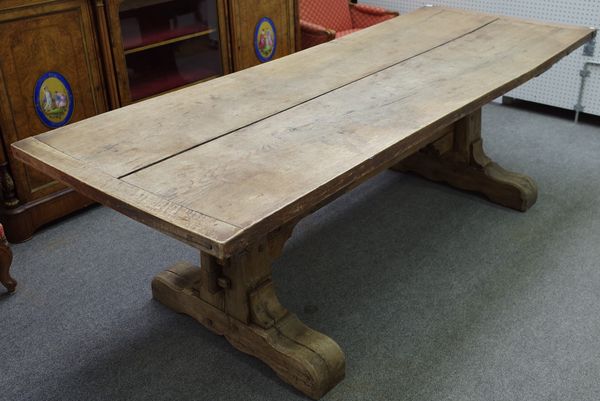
459,160
6,257
236,298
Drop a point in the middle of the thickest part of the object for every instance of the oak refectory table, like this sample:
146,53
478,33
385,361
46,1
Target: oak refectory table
231,165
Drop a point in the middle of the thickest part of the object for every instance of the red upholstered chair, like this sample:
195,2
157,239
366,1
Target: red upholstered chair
325,20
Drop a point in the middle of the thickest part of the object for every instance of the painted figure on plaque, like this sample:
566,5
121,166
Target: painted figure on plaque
265,39
53,100
47,99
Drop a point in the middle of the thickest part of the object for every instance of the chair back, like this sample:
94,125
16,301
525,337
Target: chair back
331,14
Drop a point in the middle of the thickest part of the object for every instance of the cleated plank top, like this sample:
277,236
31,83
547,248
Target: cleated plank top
224,162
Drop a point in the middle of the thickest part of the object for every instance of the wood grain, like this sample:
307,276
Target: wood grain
294,160
165,216
459,160
252,319
277,169
136,136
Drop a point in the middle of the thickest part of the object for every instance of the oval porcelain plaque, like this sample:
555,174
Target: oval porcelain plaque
265,39
53,99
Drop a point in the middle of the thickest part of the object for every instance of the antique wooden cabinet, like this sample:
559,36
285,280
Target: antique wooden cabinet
248,18
161,45
65,60
50,75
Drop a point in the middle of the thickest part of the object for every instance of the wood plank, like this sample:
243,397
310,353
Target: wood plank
174,220
267,173
222,194
132,137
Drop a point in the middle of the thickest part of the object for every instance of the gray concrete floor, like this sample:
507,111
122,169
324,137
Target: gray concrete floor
433,294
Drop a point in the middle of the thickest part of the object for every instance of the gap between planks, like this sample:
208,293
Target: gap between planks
312,98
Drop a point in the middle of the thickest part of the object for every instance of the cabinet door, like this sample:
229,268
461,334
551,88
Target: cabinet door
262,30
49,76
163,45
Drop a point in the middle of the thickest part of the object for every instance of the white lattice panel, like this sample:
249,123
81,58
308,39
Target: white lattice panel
560,86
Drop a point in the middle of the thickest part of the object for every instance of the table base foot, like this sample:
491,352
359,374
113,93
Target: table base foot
459,160
302,357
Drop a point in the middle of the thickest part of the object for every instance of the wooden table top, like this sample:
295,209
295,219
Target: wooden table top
219,163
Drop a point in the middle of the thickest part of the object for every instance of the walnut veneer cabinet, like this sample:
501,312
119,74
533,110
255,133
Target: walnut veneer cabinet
53,45
157,46
244,17
66,60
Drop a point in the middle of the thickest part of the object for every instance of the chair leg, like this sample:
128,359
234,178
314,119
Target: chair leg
6,257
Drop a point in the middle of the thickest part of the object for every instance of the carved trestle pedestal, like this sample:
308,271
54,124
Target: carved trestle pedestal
236,298
459,160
